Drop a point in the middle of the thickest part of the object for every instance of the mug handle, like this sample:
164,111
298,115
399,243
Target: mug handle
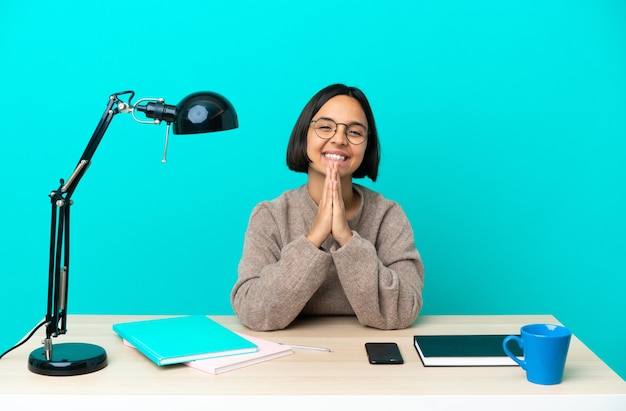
508,352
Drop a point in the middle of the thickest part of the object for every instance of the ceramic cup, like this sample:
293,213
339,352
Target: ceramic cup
545,349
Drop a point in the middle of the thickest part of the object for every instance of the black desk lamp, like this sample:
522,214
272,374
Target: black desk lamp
201,112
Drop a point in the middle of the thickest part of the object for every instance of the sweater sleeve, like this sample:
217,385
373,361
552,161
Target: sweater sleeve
383,281
275,280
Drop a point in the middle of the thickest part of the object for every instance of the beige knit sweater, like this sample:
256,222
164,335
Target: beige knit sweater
377,276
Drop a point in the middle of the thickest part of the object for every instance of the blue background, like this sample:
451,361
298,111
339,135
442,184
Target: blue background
503,130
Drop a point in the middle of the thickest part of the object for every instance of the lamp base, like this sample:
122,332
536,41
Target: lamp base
68,359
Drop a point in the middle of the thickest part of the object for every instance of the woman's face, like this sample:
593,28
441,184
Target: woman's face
350,118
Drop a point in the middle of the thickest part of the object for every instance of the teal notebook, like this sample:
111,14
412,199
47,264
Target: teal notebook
182,339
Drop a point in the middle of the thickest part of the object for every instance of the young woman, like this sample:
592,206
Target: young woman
330,247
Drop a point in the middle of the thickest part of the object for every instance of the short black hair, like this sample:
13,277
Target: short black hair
297,158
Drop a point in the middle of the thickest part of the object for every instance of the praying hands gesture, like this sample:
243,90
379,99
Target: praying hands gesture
331,213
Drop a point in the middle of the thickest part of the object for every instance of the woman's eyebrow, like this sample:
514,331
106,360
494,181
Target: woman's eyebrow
350,124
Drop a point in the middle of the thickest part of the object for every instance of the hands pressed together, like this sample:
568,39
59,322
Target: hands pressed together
331,213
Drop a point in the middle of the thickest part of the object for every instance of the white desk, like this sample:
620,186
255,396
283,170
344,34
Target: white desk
311,379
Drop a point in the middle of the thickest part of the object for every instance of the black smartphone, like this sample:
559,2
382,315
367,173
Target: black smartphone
383,353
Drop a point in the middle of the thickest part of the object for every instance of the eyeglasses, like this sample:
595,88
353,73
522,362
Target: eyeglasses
326,128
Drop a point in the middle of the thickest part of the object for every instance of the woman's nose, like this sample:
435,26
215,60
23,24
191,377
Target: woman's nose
341,134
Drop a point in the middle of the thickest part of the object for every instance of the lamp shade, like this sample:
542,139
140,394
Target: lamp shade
204,112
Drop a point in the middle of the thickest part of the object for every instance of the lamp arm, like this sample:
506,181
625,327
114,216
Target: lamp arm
114,106
58,269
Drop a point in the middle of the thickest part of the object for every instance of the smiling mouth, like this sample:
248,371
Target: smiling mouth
335,157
